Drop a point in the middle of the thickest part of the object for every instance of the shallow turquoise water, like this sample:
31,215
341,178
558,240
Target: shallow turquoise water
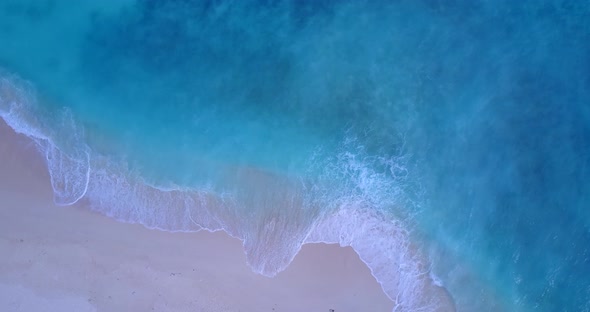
465,123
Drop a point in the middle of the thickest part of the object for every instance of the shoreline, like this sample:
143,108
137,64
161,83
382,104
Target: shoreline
69,257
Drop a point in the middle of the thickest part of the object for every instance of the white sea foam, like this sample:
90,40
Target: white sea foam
272,215
69,172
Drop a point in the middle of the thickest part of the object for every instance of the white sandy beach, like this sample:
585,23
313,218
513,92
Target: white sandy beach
71,259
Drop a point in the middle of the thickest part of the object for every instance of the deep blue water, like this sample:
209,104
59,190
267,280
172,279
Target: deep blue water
464,123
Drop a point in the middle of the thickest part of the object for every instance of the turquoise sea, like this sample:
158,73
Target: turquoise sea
445,140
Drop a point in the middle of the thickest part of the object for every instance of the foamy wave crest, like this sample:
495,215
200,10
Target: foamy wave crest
272,225
364,216
69,172
273,215
385,246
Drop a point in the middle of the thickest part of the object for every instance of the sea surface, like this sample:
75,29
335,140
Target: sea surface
445,141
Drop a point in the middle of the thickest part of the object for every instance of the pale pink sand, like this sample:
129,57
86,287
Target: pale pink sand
71,259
